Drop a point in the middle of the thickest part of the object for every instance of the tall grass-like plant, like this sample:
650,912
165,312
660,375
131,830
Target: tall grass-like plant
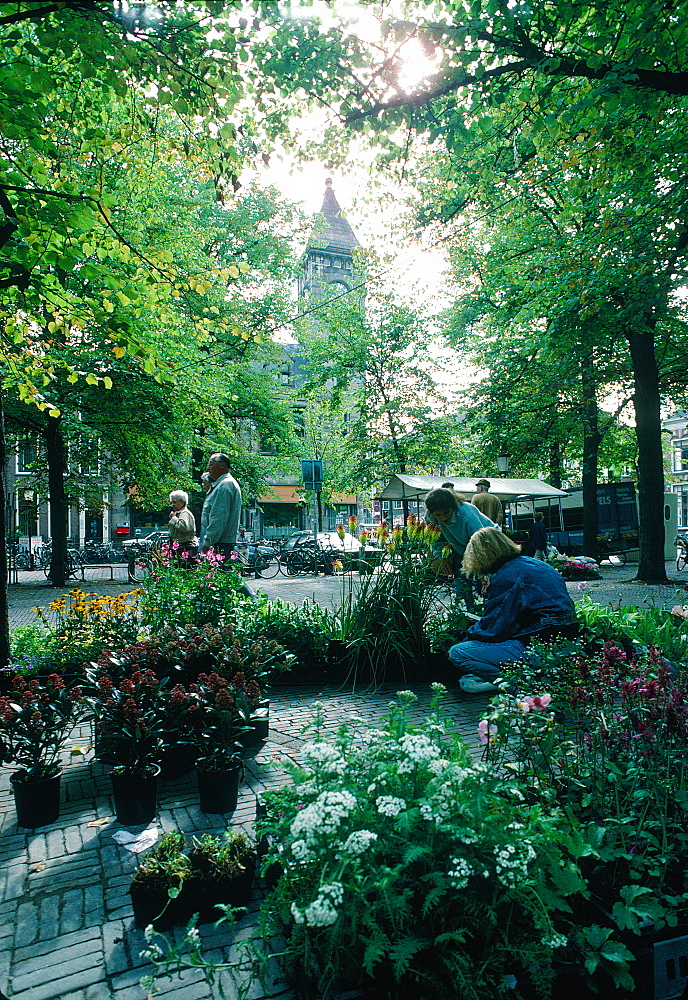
382,624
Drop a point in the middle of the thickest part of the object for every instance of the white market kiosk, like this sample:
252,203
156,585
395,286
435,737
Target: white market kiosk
412,490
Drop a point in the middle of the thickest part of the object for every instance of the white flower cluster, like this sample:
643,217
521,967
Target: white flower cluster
323,816
437,766
325,756
322,912
418,749
389,805
358,841
556,941
460,872
300,850
441,805
512,863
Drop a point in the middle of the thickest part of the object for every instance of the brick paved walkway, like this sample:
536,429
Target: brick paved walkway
67,931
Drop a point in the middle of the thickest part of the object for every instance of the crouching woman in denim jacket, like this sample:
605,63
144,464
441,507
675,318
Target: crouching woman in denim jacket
526,600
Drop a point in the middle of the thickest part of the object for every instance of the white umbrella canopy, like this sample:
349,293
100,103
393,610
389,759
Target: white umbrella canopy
405,487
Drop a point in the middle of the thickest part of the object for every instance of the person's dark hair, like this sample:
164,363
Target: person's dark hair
539,516
447,486
219,456
441,499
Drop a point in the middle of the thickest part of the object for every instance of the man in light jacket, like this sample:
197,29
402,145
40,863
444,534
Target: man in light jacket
221,508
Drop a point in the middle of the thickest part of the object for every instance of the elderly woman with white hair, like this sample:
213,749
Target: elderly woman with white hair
182,526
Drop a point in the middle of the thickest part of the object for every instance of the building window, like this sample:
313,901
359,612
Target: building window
27,510
682,493
26,456
680,456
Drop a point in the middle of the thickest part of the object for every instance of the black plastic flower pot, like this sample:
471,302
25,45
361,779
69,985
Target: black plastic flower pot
177,760
152,905
204,894
136,796
219,790
260,728
37,802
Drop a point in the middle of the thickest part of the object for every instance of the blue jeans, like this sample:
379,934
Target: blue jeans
483,659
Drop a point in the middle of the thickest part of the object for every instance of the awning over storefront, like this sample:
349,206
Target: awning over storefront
415,487
281,494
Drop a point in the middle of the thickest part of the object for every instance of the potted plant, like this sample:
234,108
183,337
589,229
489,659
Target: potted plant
35,720
223,870
158,889
218,726
130,723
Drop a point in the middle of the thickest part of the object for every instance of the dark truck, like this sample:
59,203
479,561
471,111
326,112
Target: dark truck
617,520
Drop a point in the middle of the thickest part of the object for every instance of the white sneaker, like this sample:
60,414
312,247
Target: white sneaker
470,684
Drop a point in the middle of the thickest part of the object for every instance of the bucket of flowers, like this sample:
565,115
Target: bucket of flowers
35,720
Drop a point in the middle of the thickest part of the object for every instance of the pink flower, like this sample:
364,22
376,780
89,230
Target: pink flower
487,732
538,702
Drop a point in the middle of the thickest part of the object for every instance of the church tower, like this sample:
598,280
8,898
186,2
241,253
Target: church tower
328,259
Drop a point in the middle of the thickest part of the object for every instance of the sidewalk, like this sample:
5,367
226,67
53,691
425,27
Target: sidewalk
68,932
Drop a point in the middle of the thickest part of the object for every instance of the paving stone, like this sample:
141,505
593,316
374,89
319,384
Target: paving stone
48,990
114,950
77,943
27,924
72,915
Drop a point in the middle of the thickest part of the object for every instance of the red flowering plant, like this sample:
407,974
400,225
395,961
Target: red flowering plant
216,721
35,720
605,737
131,724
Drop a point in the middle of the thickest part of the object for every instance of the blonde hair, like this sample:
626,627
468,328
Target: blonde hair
487,550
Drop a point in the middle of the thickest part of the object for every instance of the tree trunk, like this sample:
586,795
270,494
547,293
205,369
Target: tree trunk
4,619
648,428
591,447
554,449
57,467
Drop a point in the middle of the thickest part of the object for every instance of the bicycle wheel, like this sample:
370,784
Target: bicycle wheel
299,562
681,559
617,559
23,560
140,568
267,567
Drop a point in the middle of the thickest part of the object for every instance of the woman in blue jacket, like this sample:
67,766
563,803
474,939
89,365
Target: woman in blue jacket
526,600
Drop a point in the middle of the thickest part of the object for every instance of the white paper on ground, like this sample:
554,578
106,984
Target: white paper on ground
137,842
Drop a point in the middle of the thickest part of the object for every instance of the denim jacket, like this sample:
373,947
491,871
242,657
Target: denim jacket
525,596
466,521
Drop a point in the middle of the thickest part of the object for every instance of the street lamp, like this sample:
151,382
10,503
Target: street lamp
502,463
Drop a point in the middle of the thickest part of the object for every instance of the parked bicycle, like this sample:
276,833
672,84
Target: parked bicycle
307,556
73,565
604,547
257,559
681,543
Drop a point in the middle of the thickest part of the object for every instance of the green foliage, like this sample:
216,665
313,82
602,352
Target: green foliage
603,735
32,649
375,888
221,857
636,627
198,594
88,624
166,866
302,630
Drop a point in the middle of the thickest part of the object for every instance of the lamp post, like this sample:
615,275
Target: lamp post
502,463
